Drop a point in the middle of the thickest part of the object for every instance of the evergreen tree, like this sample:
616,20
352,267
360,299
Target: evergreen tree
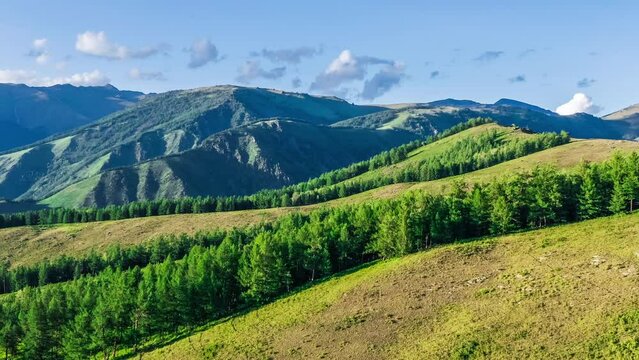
501,217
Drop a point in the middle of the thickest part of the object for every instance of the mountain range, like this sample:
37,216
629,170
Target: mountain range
225,140
29,114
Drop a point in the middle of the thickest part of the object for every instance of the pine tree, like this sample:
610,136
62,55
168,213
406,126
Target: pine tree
501,217
38,343
262,270
591,197
618,202
76,341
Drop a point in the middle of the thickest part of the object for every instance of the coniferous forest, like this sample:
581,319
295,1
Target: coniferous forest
103,304
247,180
470,154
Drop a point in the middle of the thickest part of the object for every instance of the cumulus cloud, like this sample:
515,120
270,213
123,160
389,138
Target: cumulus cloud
517,79
202,52
40,43
97,44
580,103
290,56
348,67
92,78
16,76
138,74
585,82
488,56
252,70
435,74
387,78
39,51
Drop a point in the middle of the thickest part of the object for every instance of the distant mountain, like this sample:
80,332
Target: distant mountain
29,114
161,125
523,105
242,160
452,102
229,140
631,113
425,119
627,117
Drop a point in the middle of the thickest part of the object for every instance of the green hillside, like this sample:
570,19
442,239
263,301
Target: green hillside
144,297
26,245
566,156
160,125
503,137
29,114
439,115
239,161
552,293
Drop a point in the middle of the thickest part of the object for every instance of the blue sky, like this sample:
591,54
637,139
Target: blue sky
542,52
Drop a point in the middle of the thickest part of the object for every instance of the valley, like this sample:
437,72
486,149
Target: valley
334,211
318,180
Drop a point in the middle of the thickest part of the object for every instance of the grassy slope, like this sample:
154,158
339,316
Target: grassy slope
27,245
565,156
551,293
439,147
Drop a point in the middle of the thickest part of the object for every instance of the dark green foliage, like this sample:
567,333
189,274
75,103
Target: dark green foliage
189,280
467,155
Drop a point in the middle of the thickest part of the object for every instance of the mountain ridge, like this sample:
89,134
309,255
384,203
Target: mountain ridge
29,114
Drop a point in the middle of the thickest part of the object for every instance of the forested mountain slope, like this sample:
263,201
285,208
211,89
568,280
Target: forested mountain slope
140,298
29,114
165,124
439,115
567,156
239,161
26,245
533,292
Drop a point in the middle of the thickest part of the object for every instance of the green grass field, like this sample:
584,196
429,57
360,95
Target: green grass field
564,292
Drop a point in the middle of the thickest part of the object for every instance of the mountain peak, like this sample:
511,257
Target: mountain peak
522,105
454,103
628,113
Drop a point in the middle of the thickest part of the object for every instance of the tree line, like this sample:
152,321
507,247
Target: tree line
470,154
208,276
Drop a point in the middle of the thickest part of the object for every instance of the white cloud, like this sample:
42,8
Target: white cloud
290,56
252,70
348,67
137,74
42,58
39,51
16,76
580,103
382,82
92,78
202,52
97,44
40,44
